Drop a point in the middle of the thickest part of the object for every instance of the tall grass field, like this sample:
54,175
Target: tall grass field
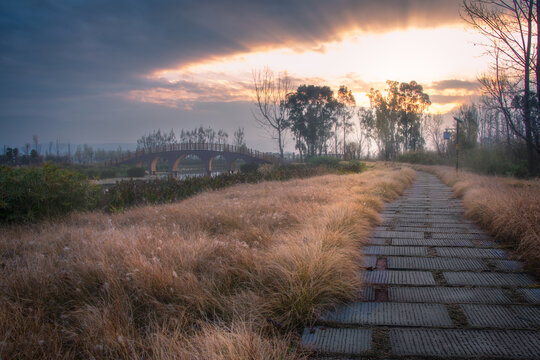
227,274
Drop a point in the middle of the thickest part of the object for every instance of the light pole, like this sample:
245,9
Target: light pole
458,121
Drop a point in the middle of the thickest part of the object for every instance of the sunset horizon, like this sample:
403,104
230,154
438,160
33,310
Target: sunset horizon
130,84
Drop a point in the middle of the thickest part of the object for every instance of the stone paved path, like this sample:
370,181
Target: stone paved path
437,287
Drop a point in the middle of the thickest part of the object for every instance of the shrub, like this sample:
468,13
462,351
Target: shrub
136,171
107,173
32,193
324,161
353,166
249,168
496,160
421,157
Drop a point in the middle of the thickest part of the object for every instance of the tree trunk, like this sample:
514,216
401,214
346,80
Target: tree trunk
280,142
527,101
344,134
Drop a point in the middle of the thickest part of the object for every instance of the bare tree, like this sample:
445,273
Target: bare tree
510,26
239,137
434,128
346,111
270,97
35,140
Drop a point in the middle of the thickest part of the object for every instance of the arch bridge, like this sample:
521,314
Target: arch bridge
175,153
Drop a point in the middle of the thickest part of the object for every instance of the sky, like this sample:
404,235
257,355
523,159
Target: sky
101,71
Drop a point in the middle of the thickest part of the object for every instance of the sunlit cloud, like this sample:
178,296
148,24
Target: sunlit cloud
432,57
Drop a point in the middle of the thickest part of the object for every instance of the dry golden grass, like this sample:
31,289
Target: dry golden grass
222,275
508,208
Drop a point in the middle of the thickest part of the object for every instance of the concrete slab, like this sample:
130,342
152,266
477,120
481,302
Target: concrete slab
394,277
487,243
487,279
369,261
431,242
514,344
508,265
459,234
448,295
378,241
500,316
395,250
426,263
471,252
368,293
531,295
400,234
391,314
340,341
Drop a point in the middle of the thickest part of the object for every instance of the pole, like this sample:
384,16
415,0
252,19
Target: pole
457,142
457,147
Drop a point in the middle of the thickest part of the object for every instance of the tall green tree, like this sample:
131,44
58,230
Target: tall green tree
413,103
312,112
394,117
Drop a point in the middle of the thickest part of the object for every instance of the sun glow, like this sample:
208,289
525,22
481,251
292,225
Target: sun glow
360,61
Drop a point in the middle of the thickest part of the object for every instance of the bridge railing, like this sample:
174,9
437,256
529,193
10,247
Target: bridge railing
203,146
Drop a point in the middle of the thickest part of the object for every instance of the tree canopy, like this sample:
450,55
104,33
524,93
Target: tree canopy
312,112
394,118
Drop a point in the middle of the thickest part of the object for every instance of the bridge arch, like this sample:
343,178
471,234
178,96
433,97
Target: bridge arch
176,163
219,162
235,163
208,154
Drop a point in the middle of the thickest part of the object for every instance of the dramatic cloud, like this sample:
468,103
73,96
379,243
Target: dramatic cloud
66,62
86,47
455,85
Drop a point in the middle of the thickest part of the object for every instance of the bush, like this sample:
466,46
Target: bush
107,173
249,168
420,157
130,193
497,160
136,172
323,161
352,166
32,193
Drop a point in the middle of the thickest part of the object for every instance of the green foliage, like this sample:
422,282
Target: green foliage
496,161
422,157
249,168
312,113
136,171
107,173
323,161
351,166
32,193
394,118
490,161
130,193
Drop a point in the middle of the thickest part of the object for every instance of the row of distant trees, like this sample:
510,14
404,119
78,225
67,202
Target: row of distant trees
157,139
33,154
